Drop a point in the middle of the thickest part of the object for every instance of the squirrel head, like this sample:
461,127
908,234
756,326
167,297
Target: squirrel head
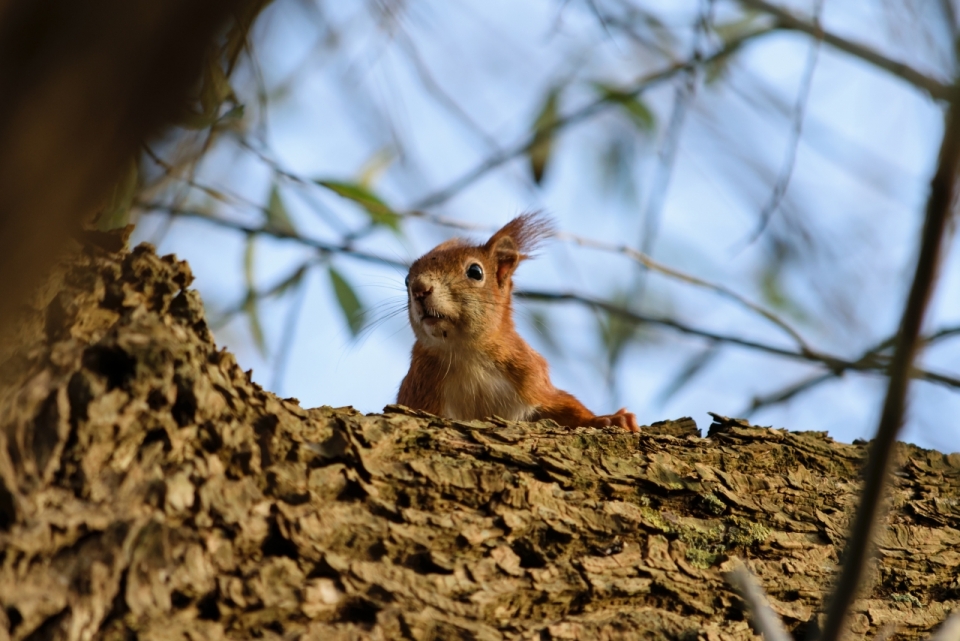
459,295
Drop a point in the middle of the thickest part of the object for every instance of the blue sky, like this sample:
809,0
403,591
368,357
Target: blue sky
856,195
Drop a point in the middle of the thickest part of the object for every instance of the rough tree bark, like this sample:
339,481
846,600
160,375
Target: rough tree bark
150,490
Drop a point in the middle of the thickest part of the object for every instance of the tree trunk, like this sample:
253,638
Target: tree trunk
82,85
150,490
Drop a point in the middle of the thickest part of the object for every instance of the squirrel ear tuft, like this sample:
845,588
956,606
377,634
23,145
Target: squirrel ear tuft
514,241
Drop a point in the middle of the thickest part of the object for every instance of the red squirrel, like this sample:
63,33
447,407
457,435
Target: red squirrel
468,361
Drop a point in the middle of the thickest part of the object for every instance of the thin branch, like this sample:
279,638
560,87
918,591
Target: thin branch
833,363
946,332
886,632
288,336
874,363
658,267
796,130
346,249
257,295
666,159
684,95
590,109
949,630
433,87
878,469
872,355
784,395
764,619
786,20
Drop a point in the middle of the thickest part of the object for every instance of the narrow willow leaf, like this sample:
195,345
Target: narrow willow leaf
278,219
350,305
196,120
375,166
116,213
543,133
634,108
291,281
250,307
731,32
214,91
737,29
216,88
379,212
236,113
252,311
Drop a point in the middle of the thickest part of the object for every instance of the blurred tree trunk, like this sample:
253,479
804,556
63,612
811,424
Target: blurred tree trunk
82,85
149,490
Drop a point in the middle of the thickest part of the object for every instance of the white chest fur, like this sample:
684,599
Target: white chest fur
473,388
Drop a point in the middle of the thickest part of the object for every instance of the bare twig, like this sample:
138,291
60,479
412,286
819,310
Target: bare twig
870,362
658,267
764,619
590,109
346,249
869,514
949,630
796,129
833,363
684,96
886,632
872,355
786,20
288,336
625,250
784,395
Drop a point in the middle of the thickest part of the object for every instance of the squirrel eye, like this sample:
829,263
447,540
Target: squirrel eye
406,281
475,271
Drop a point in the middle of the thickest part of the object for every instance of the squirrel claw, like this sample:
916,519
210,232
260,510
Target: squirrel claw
622,419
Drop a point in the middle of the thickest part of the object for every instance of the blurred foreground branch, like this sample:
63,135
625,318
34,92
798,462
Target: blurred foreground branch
81,86
880,463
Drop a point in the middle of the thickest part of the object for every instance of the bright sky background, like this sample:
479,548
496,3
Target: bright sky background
868,147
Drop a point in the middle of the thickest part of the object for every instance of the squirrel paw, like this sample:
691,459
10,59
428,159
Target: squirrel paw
622,419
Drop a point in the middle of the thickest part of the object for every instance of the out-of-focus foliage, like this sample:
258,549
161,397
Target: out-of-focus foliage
779,152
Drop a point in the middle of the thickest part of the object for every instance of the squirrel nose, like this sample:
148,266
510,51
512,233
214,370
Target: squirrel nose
421,291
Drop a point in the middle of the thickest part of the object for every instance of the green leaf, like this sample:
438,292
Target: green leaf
278,219
216,88
716,69
730,33
250,302
253,316
236,113
737,29
116,213
543,135
634,108
195,120
379,212
350,305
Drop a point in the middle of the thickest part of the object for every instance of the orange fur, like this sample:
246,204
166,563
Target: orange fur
468,361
